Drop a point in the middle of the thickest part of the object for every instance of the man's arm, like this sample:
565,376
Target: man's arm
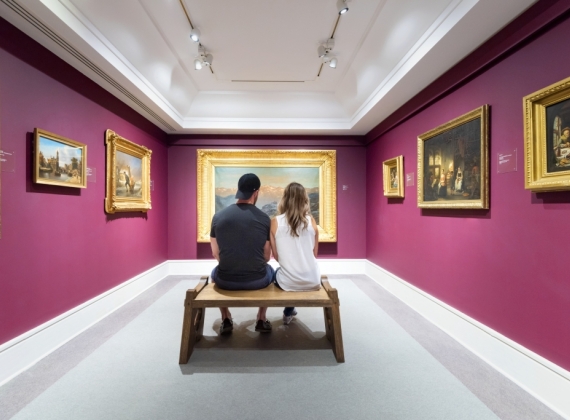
273,244
215,248
267,251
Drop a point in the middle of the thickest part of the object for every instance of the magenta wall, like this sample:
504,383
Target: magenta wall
351,212
507,267
58,247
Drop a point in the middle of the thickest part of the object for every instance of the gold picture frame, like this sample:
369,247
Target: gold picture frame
127,176
59,161
393,170
219,171
453,163
547,138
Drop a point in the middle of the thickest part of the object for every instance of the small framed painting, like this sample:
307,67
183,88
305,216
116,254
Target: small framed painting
128,175
547,138
59,160
453,163
393,177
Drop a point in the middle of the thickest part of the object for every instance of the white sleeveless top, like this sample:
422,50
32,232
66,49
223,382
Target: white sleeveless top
299,268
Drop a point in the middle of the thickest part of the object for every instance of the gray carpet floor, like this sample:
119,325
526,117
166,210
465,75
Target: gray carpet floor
398,366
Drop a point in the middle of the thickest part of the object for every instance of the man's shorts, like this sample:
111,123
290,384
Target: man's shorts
249,285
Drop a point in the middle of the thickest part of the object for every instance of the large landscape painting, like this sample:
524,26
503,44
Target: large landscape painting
273,182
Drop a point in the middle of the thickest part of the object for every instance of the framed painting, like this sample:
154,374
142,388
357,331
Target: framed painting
453,163
128,175
394,177
59,160
547,138
220,170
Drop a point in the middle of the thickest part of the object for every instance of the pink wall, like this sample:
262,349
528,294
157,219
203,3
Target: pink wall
507,267
58,247
351,213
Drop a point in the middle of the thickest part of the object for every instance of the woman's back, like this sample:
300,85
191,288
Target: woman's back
299,268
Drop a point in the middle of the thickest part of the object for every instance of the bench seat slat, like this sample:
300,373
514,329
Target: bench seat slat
211,296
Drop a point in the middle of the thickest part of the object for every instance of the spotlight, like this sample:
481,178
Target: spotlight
195,35
342,7
321,51
208,60
197,64
331,61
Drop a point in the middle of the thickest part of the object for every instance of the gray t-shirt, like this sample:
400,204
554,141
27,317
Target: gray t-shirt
241,231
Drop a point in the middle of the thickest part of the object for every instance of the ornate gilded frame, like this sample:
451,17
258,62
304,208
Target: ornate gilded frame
324,160
537,177
482,202
52,171
113,201
389,166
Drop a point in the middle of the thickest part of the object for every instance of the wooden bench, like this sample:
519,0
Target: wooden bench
209,296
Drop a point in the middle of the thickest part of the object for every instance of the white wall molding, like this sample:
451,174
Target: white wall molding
327,266
543,379
24,351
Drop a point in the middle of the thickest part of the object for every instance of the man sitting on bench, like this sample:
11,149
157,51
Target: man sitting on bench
240,240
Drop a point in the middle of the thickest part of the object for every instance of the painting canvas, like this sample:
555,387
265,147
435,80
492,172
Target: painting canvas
58,160
220,170
393,177
127,175
453,163
547,138
273,182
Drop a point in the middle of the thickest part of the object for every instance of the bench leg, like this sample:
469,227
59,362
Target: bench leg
201,313
188,330
328,322
336,329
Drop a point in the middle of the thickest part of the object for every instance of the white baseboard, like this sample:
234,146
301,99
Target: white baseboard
543,379
27,349
327,266
546,381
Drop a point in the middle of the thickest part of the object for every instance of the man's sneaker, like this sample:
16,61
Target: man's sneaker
226,326
263,326
287,319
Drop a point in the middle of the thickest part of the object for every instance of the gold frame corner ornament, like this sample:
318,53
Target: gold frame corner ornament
325,160
67,142
481,113
113,203
537,178
398,163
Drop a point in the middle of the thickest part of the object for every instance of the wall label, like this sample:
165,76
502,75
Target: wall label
410,179
7,161
91,174
507,161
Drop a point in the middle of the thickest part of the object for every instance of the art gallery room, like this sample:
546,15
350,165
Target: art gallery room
428,143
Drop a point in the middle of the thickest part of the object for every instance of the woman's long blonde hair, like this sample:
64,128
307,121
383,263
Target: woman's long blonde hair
295,206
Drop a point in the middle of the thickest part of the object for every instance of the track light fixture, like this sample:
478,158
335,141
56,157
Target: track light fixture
342,6
204,60
324,53
195,35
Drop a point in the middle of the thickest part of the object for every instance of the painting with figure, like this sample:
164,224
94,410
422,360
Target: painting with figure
273,182
128,175
456,176
453,163
558,136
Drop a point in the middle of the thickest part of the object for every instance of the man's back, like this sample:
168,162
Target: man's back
241,231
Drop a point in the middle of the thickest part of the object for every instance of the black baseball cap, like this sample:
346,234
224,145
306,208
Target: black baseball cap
247,185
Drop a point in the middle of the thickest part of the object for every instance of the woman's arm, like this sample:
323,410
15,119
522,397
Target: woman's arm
272,237
316,248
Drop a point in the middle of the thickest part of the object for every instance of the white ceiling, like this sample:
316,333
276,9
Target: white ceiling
265,56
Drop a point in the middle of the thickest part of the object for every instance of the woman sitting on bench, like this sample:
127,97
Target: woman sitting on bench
295,244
